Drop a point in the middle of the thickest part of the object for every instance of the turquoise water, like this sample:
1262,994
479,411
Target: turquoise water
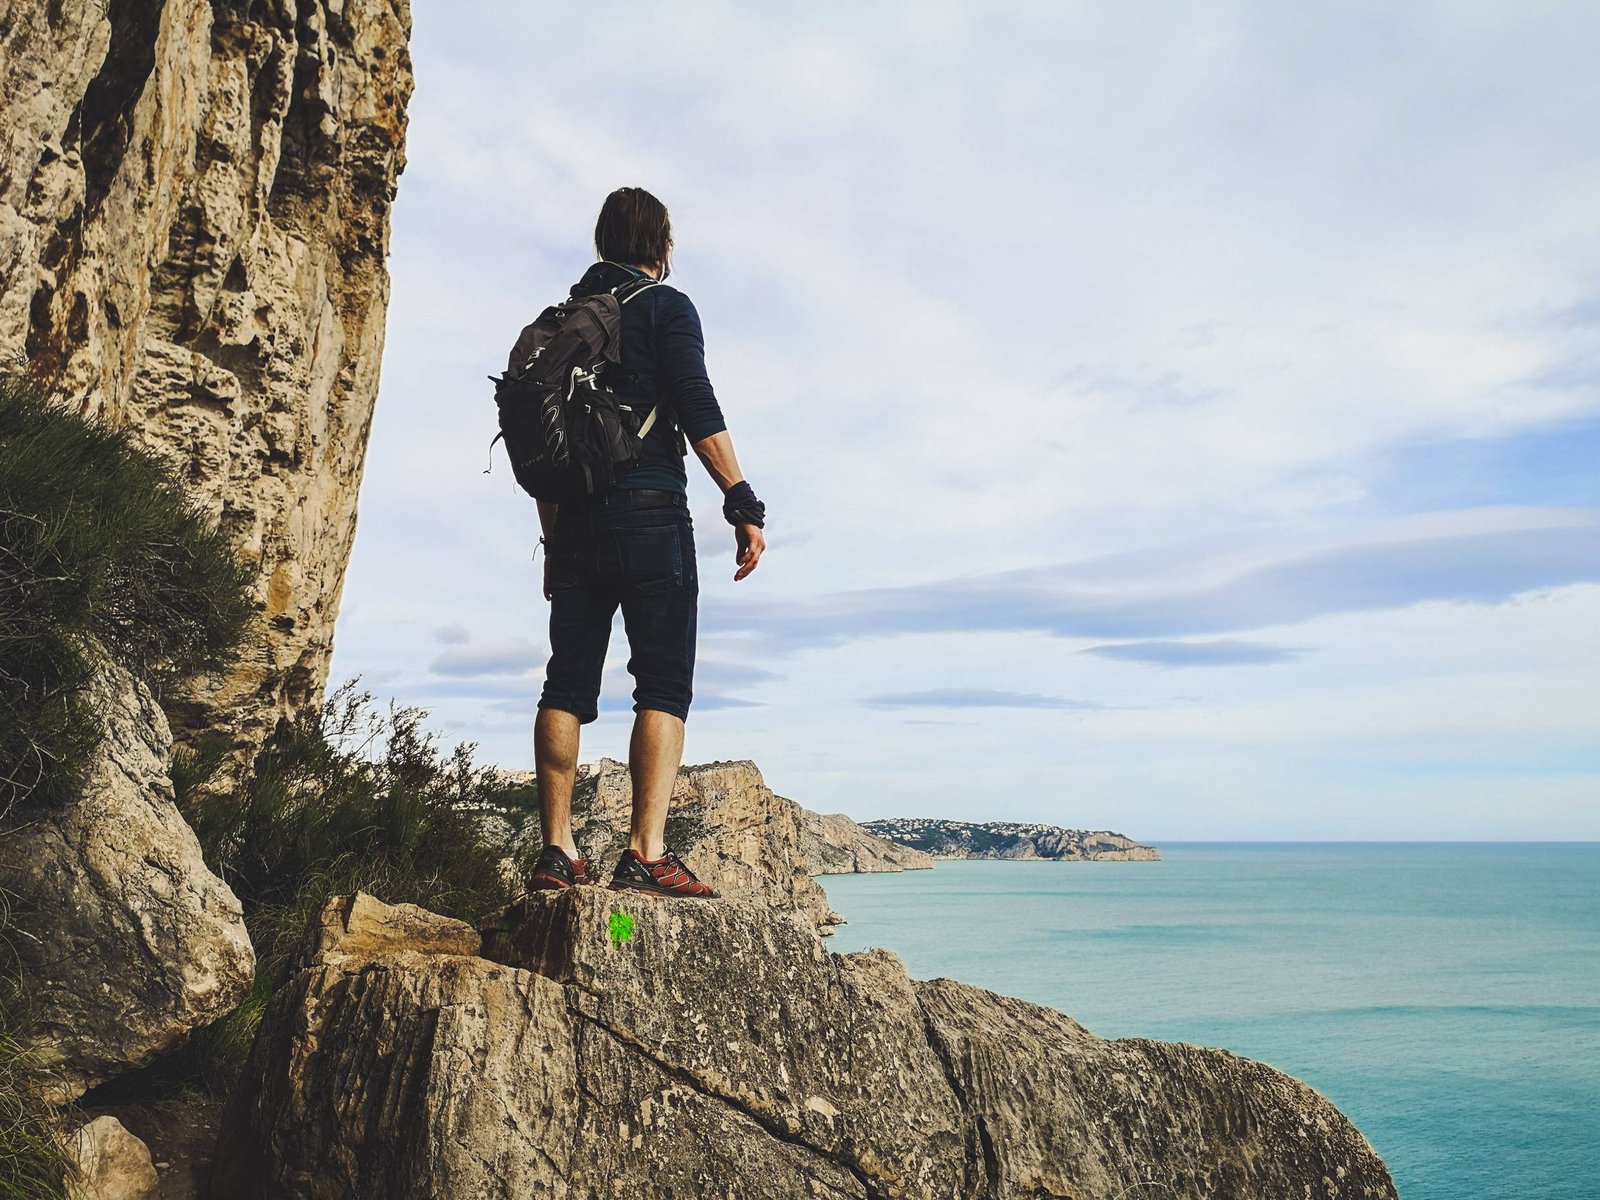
1445,997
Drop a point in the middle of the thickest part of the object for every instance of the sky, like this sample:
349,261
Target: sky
1182,420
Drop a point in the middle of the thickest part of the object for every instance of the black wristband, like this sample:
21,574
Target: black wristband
740,506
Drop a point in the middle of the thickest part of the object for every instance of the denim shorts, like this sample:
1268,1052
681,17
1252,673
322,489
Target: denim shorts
628,548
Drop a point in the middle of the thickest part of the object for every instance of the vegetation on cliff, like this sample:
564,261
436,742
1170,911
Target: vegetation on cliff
101,552
1007,839
99,547
349,796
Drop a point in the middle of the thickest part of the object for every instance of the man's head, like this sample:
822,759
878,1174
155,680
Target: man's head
634,228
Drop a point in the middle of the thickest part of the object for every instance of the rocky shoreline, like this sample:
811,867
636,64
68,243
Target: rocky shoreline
717,1048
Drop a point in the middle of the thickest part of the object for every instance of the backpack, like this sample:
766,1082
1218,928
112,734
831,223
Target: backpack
565,432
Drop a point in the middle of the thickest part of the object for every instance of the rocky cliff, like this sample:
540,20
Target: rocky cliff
594,1045
734,831
1008,839
194,214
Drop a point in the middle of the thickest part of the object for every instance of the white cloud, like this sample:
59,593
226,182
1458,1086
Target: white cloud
514,656
1002,287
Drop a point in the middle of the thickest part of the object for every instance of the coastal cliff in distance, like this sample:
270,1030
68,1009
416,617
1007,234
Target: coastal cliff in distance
833,844
1008,839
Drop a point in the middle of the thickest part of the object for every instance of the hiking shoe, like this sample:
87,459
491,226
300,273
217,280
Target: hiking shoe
554,870
664,876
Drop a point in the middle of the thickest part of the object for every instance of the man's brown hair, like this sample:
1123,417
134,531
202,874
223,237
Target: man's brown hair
633,228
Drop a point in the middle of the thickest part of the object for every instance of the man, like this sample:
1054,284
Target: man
633,547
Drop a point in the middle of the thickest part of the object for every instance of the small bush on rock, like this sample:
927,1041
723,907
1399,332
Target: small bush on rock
351,797
33,1160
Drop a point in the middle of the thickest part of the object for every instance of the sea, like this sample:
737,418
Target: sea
1445,996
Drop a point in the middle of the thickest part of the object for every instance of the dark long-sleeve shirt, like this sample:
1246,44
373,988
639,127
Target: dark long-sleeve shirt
662,345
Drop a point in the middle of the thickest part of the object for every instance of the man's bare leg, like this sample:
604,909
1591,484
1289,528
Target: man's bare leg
555,758
654,755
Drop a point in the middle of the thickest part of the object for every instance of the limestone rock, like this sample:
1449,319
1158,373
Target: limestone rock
363,927
707,1048
1111,847
194,216
112,1164
824,845
126,940
833,844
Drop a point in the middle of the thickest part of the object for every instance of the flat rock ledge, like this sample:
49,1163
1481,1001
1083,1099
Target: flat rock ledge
592,1044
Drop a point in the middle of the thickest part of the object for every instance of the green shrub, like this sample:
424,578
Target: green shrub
33,1162
99,543
350,797
101,551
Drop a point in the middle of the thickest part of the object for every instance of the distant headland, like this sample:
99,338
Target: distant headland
1008,839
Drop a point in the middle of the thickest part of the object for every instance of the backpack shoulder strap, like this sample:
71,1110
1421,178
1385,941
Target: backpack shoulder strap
627,291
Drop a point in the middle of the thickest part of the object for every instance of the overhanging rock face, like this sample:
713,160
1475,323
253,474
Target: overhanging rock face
613,1046
194,215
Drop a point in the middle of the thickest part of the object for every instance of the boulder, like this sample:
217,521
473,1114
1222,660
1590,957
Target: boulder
126,940
111,1164
606,1044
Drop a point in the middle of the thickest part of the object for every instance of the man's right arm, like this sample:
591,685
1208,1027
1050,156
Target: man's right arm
681,380
687,388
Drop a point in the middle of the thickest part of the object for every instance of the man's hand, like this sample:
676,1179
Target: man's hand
547,594
751,542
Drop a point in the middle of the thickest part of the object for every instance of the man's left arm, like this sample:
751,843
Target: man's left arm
716,454
547,524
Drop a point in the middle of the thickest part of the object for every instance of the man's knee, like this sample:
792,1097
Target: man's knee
667,688
663,677
670,707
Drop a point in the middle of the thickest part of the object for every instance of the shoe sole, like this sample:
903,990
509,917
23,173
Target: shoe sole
550,883
642,890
